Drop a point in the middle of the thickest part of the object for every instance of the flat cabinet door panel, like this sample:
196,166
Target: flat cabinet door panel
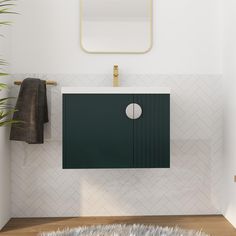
152,132
96,131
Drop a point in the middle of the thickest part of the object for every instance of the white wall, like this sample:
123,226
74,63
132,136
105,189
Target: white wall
229,69
4,147
46,40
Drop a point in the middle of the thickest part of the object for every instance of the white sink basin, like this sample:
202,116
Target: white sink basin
115,90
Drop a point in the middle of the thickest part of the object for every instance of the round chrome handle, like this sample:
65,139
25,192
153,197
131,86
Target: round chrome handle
133,111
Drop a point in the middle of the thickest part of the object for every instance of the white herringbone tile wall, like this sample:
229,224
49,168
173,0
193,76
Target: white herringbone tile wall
40,187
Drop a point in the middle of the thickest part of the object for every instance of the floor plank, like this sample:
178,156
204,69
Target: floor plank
213,225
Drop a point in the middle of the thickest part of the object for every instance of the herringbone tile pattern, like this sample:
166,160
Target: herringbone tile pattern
41,188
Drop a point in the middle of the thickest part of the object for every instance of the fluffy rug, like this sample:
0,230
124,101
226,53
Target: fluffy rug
125,230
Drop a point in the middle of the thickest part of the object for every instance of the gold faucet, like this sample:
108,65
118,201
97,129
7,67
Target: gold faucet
116,76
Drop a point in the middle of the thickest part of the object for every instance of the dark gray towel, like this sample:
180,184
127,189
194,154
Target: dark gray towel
32,110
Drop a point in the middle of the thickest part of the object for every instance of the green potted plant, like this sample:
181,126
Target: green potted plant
6,109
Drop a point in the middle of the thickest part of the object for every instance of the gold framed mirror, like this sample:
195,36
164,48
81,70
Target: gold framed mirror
116,26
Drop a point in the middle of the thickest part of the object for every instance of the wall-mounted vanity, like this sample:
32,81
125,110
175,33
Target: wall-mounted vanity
107,127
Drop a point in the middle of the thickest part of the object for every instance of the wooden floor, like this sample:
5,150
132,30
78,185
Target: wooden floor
213,225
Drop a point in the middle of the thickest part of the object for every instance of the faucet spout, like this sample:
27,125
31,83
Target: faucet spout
116,76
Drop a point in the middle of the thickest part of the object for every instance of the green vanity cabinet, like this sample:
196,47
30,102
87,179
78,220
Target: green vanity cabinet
97,132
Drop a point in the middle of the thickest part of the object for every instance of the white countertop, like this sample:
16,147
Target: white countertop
115,90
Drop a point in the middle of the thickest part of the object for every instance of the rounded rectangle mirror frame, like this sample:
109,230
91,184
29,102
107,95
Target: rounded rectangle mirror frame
113,51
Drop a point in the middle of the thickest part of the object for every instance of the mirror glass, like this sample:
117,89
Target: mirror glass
116,26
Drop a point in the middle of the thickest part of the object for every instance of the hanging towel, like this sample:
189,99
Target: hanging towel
32,110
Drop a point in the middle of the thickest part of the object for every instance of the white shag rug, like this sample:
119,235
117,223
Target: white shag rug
125,230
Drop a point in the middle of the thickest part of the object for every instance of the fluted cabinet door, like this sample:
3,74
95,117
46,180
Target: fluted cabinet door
152,132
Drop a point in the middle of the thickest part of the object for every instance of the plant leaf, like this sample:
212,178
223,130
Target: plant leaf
6,114
5,23
6,109
6,11
9,122
2,4
3,86
3,62
3,1
3,74
3,100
